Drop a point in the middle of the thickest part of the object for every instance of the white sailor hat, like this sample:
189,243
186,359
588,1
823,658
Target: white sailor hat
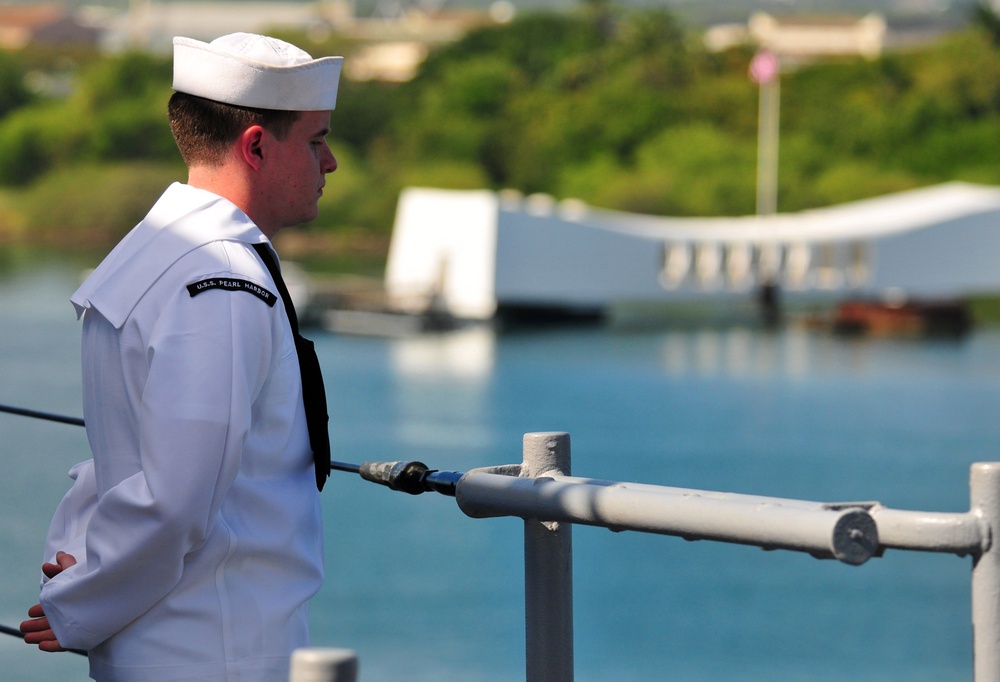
256,71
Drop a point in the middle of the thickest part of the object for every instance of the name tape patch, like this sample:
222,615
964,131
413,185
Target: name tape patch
230,284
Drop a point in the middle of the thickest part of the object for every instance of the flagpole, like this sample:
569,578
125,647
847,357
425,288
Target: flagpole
767,148
764,70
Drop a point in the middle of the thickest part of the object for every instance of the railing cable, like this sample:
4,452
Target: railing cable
409,477
48,416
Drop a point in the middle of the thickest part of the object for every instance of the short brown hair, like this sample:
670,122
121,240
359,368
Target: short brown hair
204,129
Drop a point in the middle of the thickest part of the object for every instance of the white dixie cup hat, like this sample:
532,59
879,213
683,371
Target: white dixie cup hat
256,71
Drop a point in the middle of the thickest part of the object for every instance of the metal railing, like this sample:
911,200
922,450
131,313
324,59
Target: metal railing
542,492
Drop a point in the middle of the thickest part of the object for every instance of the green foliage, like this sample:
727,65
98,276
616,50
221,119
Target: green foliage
94,204
35,139
693,169
116,113
348,200
445,175
858,179
986,17
131,129
535,43
365,111
849,105
949,151
125,99
460,118
955,82
13,91
133,75
984,309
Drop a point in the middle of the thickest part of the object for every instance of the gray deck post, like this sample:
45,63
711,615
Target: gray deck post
984,488
548,571
321,664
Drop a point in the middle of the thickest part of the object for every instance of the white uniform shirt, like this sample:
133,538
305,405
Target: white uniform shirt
197,524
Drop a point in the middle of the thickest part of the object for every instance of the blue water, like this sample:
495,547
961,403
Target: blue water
424,593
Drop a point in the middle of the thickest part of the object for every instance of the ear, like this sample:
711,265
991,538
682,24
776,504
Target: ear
251,146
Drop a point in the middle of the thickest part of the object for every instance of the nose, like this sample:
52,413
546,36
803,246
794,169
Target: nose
329,160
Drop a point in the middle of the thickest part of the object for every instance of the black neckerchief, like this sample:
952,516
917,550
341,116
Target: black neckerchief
313,393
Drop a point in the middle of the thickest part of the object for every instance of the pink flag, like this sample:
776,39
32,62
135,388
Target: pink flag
764,67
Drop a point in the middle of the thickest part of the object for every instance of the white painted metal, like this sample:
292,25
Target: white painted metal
548,571
323,665
848,534
984,486
543,493
961,534
470,252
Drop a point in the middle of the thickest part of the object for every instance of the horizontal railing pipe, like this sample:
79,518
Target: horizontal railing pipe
954,533
848,534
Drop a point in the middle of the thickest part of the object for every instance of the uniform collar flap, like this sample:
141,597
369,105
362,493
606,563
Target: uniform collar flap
183,219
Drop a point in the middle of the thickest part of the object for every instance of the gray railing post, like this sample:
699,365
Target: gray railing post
321,664
984,493
548,571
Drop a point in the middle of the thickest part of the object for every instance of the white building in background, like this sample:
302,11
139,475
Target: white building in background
798,38
811,37
474,253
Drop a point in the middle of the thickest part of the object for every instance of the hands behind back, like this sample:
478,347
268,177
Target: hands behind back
37,630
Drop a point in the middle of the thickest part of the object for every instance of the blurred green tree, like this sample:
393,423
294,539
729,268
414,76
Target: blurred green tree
14,92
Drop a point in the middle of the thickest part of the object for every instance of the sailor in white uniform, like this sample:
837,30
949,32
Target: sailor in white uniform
189,546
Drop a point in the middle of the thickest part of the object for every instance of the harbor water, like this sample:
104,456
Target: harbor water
424,593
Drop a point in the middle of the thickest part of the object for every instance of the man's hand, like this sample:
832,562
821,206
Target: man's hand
37,630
